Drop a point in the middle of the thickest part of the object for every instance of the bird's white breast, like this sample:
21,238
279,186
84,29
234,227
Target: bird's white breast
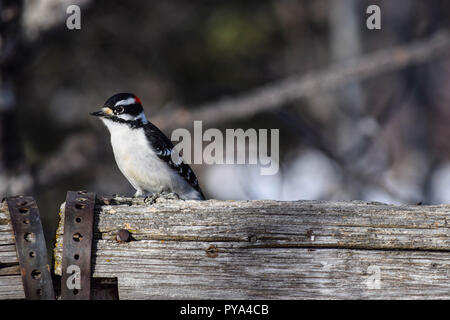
139,163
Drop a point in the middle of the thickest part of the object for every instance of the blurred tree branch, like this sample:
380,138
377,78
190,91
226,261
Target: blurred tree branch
277,94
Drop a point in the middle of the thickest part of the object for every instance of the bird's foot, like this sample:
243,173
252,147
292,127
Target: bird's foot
151,198
169,195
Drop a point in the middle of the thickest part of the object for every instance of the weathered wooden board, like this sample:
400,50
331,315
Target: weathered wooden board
272,250
11,286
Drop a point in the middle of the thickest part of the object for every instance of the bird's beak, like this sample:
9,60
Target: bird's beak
104,112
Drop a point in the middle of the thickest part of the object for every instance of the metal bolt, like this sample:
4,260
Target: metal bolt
212,251
123,235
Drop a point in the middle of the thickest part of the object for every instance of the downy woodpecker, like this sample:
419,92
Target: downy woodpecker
143,153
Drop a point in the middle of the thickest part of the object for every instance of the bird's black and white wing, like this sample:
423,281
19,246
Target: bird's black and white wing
164,148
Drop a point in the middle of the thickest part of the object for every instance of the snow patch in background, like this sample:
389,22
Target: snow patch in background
440,184
310,176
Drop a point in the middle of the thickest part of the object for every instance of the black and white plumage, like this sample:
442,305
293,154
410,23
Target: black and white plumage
145,156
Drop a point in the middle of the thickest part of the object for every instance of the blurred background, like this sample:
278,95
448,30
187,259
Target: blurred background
363,114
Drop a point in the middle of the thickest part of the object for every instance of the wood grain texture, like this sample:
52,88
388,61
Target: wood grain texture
11,286
271,250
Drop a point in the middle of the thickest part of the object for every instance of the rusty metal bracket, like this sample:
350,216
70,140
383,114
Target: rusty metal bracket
31,249
77,245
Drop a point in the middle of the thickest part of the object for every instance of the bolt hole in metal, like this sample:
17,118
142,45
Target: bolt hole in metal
79,206
77,237
36,274
78,219
39,292
75,291
29,237
76,257
24,210
32,254
26,221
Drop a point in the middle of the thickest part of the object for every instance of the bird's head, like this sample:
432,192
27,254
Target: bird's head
122,107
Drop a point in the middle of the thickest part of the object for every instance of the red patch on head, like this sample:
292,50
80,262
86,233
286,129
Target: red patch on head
137,100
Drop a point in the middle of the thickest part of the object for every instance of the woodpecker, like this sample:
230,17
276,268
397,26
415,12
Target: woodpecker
144,155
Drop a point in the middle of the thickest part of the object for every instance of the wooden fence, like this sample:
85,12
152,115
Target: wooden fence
260,250
10,279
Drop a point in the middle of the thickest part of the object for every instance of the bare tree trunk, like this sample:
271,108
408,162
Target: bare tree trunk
349,108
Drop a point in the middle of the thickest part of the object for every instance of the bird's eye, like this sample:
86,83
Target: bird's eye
118,110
